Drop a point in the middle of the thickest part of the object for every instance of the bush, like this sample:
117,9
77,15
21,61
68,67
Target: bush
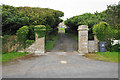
29,42
103,31
115,48
31,33
117,34
22,34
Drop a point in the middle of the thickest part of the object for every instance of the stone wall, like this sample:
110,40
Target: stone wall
92,46
9,44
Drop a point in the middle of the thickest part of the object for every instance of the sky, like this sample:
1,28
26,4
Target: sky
69,7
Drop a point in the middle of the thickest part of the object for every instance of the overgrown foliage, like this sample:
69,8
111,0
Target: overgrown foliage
104,32
110,15
85,19
22,35
14,18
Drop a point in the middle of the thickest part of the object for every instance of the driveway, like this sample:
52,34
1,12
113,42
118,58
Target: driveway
60,65
64,44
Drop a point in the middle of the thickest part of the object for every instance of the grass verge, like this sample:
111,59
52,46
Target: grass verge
104,56
73,36
50,41
11,55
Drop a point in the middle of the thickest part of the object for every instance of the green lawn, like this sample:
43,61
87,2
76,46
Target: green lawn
73,36
50,41
11,55
105,56
63,29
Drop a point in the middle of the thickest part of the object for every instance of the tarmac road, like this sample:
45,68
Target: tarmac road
60,65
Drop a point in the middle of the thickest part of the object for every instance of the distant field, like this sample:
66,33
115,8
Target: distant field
62,29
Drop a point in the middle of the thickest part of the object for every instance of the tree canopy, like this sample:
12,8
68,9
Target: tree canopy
110,15
15,17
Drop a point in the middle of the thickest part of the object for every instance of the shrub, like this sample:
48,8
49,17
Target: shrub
104,32
22,35
29,42
31,33
117,34
115,48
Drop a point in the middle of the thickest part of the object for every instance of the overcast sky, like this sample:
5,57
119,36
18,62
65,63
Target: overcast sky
69,7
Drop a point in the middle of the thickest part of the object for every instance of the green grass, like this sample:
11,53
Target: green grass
50,41
73,36
105,56
63,29
11,55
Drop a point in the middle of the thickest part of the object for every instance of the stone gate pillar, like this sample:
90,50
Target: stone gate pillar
83,39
